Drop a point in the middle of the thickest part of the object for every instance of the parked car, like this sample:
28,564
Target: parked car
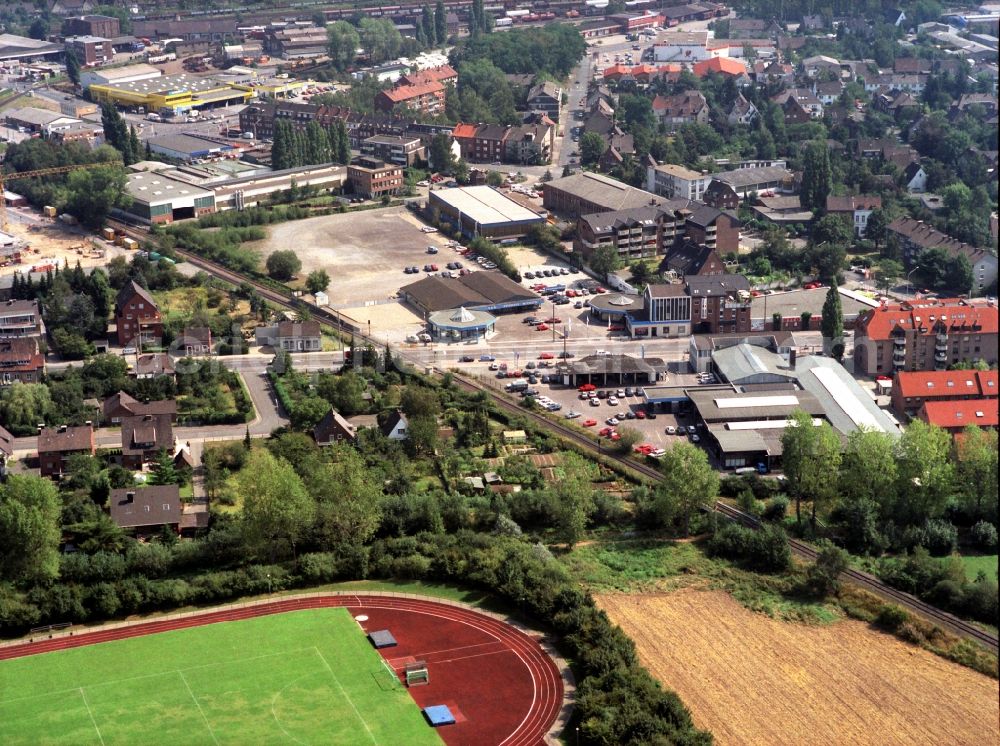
467,359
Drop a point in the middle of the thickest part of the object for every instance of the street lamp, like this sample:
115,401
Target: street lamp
908,275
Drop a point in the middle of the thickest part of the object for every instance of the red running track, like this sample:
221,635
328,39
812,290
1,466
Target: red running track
501,686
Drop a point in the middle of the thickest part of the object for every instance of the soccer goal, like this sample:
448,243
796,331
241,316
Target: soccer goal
417,674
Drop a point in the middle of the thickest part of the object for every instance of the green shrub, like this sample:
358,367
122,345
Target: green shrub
984,535
891,618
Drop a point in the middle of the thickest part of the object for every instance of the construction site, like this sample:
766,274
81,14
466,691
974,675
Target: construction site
46,243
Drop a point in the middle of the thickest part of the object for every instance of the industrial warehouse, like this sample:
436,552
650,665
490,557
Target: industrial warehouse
482,211
169,94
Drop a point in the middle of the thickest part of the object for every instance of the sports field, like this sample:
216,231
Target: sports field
302,677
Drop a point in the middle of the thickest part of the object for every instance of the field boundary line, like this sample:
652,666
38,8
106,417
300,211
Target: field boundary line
423,654
198,705
346,695
83,696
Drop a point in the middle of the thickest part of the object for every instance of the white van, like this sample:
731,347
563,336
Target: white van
154,117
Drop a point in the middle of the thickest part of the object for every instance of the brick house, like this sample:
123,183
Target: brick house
691,259
57,444
20,361
146,510
144,436
372,178
714,228
956,416
195,340
855,210
137,317
545,97
682,108
121,405
333,428
720,304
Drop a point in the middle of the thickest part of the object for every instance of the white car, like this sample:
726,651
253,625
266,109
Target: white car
129,351
612,420
612,401
429,229
571,415
411,338
423,183
671,430
424,337
595,402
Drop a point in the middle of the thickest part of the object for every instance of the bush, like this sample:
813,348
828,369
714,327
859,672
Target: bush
764,550
283,265
891,618
823,576
776,509
937,536
984,535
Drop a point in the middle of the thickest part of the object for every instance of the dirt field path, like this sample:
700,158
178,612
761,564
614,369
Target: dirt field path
751,679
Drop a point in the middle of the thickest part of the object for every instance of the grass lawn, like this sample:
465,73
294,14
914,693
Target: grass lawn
986,562
302,677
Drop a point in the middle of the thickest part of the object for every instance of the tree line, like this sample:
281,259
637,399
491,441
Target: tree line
294,147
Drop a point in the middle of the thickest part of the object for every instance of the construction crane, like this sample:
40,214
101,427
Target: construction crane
18,175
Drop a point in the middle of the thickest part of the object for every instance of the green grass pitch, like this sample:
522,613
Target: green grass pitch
299,678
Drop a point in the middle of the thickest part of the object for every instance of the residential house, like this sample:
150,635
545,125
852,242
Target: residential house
912,65
195,340
928,334
915,178
20,318
529,144
333,428
800,105
820,65
681,108
675,182
721,195
57,444
6,449
464,135
915,237
146,510
137,317
20,361
765,73
783,210
985,103
726,66
828,92
121,405
691,259
897,103
298,336
753,28
545,97
443,74
742,112
618,147
144,436
910,390
395,426
855,210
152,365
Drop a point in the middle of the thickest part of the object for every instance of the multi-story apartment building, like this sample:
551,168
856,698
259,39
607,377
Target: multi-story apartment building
633,233
675,182
916,236
924,335
57,444
90,50
20,361
545,97
395,149
720,304
911,390
137,317
427,98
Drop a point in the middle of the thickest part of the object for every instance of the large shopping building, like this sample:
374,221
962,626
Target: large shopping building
170,94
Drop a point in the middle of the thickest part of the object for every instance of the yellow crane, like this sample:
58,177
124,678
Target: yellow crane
18,175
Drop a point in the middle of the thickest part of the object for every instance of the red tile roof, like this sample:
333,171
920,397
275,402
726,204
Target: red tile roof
724,65
464,131
960,414
946,384
407,92
922,315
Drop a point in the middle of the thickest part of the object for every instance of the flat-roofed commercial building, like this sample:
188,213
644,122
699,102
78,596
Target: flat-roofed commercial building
119,75
13,47
156,198
371,177
187,147
171,94
482,211
401,151
482,291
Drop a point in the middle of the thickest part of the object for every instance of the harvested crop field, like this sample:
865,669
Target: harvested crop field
751,679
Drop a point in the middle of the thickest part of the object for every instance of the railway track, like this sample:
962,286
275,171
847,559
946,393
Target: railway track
874,585
587,443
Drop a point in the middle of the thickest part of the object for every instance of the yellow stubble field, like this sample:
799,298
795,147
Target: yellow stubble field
751,679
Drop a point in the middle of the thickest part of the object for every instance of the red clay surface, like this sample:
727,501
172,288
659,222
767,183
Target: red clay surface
500,685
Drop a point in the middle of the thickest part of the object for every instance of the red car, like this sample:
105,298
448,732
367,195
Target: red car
434,268
542,327
586,386
616,328
615,436
644,448
570,293
640,414
600,290
589,423
553,320
605,431
548,356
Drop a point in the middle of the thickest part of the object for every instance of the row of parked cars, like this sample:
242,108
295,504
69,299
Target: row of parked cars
547,272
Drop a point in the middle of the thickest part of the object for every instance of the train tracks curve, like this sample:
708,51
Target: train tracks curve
585,442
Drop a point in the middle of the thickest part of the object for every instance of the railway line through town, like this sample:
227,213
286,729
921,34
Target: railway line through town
588,444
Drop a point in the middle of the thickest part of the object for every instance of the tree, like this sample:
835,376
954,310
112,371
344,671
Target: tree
886,273
349,499
24,405
39,28
283,265
641,273
93,193
494,179
164,471
868,471
823,576
832,323
30,511
343,42
977,472
925,472
832,229
592,147
317,281
427,26
627,438
440,23
276,507
811,458
605,260
817,177
441,156
688,479
877,227
958,275
72,68
380,39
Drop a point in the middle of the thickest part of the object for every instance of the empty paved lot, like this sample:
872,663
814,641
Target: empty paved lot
363,252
